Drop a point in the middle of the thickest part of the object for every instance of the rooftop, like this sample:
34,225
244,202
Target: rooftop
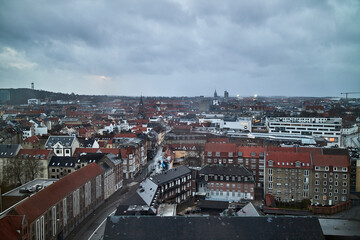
127,227
170,174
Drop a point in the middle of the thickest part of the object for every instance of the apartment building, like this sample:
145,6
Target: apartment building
55,211
174,185
328,128
253,159
226,183
220,153
288,175
331,179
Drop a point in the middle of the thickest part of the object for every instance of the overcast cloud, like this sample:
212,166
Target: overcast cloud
181,48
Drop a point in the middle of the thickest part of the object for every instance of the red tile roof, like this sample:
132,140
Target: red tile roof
220,147
9,225
33,153
33,139
331,160
288,159
247,151
219,140
95,150
36,205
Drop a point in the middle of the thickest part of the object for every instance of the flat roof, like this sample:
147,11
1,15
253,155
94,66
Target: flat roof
32,184
340,227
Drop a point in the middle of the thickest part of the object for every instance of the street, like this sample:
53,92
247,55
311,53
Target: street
93,226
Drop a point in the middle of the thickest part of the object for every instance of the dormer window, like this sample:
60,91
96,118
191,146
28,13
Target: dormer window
209,154
217,154
298,164
271,163
240,154
344,169
253,154
230,154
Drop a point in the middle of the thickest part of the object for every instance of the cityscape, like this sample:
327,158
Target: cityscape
179,119
71,165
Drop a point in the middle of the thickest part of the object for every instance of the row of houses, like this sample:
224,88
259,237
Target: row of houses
53,212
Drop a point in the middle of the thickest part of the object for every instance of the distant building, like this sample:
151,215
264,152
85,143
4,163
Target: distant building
328,128
226,94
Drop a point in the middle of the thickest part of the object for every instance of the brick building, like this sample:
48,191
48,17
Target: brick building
253,159
331,179
226,183
288,175
220,153
56,210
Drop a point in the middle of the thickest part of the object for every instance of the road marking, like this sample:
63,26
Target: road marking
101,224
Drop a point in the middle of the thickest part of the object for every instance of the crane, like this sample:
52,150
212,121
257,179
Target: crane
347,93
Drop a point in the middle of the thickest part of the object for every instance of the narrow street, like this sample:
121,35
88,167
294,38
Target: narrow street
93,226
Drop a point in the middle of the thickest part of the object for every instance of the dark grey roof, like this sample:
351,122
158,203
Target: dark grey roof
169,175
87,143
63,140
198,228
91,157
225,170
8,150
62,161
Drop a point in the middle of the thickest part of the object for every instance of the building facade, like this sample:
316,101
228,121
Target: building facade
328,128
226,183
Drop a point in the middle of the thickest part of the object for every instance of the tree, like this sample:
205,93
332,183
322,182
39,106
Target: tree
33,168
14,171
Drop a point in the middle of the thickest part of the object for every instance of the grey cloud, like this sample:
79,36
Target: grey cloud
237,45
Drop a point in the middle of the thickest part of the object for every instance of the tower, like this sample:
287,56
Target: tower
215,94
32,86
141,110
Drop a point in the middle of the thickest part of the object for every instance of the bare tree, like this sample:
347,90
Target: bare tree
14,171
33,168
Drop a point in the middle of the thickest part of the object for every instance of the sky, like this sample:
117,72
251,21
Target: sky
181,47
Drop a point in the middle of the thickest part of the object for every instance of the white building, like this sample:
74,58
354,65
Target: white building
328,128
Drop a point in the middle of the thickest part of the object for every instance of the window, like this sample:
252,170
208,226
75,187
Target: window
335,168
335,198
326,168
325,183
209,160
317,168
336,176
316,189
306,172
217,154
317,175
270,178
230,160
230,154
330,180
325,175
344,184
344,176
344,191
209,154
343,199
344,169
240,160
317,182
336,183
335,190
324,190
206,178
270,171
316,197
271,163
